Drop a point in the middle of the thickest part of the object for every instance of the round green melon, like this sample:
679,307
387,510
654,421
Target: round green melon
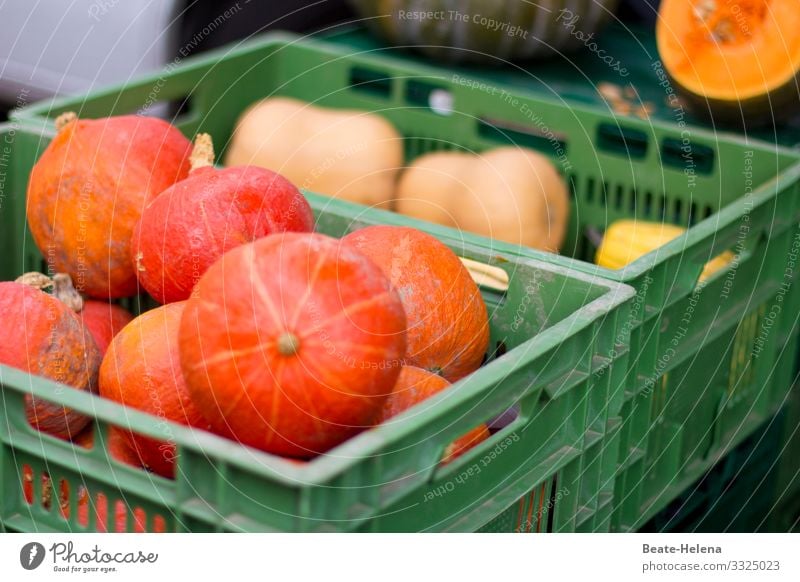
487,30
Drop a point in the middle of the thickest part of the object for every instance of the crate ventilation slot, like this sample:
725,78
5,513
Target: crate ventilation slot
370,81
675,153
622,140
540,139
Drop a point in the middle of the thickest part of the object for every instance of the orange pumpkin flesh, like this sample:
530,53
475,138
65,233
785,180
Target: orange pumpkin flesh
290,344
142,370
737,59
40,335
415,385
98,506
448,326
88,189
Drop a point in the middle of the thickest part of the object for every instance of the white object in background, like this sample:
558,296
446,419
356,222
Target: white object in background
56,47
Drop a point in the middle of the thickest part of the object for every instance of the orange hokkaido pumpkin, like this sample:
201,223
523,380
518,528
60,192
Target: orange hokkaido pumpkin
103,321
88,189
41,335
415,385
117,444
194,222
448,325
119,447
291,343
142,370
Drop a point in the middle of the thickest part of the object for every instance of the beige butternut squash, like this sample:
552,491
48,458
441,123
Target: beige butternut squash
509,194
347,154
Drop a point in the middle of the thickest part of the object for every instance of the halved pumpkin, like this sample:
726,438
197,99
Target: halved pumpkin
737,60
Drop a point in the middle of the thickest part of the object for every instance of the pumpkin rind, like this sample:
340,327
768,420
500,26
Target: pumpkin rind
347,154
88,189
290,344
193,223
142,370
509,194
103,321
40,335
448,326
412,387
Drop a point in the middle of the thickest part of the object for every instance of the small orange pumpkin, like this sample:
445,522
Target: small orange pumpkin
87,192
142,370
415,385
448,325
41,335
291,343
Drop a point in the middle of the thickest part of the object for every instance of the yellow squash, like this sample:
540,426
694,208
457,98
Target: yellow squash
627,240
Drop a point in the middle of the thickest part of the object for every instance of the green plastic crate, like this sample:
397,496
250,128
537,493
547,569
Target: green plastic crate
551,469
739,494
580,79
694,387
786,513
583,83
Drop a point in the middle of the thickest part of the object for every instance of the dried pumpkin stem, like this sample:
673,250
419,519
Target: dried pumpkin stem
288,344
61,285
35,280
65,119
202,153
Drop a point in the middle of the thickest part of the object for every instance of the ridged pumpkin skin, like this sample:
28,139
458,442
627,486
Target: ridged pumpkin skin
103,321
40,335
412,387
292,343
87,192
735,61
117,444
142,370
193,223
448,325
508,194
477,30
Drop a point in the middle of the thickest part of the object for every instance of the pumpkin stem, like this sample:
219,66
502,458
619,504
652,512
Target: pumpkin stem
288,344
594,236
65,119
202,153
61,285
